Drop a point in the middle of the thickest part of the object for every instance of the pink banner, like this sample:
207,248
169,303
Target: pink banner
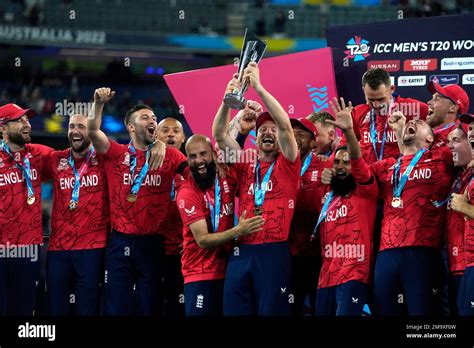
302,82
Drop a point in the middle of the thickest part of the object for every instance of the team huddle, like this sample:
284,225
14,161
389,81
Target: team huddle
377,221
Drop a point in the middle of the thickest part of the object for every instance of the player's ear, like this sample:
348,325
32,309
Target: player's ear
332,134
392,89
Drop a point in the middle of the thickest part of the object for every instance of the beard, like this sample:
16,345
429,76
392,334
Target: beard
342,187
19,139
85,144
205,181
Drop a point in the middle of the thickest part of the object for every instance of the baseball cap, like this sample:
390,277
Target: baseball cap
305,124
454,93
11,112
466,118
264,116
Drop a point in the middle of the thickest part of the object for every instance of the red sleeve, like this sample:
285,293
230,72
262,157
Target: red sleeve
355,124
190,206
115,150
48,163
361,171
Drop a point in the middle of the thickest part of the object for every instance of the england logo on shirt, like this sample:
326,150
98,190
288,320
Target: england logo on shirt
63,165
126,160
366,118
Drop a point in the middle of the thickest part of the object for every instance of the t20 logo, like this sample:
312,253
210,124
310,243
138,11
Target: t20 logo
357,48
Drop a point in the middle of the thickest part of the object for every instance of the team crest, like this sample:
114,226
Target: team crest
366,118
63,164
314,175
126,160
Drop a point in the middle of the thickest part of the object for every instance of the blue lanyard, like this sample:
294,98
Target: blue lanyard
173,193
446,126
455,188
25,169
399,184
78,175
137,181
328,153
216,207
261,189
373,135
306,163
325,210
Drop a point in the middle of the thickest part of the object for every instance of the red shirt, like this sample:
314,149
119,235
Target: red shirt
20,223
174,225
441,134
280,199
419,222
307,210
346,236
455,229
469,231
197,263
87,226
411,108
147,214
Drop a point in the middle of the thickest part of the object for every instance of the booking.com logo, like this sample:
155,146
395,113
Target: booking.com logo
357,49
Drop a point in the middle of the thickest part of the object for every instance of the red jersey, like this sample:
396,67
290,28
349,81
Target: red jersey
307,210
469,231
147,214
21,223
87,226
280,198
197,263
455,229
441,134
361,117
418,222
174,226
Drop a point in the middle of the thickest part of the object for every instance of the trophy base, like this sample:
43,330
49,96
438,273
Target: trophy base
235,101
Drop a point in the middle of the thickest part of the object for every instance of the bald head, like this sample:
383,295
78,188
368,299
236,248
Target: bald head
201,160
170,131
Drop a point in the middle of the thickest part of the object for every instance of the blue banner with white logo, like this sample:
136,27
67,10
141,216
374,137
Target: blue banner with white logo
414,51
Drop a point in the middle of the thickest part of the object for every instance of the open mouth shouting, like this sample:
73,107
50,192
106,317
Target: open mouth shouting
268,140
151,130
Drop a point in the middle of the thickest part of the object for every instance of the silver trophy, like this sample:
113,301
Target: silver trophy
252,51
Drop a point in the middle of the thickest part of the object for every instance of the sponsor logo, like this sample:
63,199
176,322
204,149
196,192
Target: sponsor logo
191,211
319,97
468,79
357,49
199,301
458,63
126,159
355,300
428,64
418,80
283,290
387,65
445,79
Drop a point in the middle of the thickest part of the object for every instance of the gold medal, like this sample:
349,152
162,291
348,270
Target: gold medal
396,202
132,198
72,205
31,199
257,211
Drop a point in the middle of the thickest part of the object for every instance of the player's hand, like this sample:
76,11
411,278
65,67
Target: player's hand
103,95
248,116
397,121
248,226
458,202
252,75
157,155
234,85
327,175
342,114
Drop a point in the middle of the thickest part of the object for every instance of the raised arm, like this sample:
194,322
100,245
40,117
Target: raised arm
285,135
397,122
99,139
221,121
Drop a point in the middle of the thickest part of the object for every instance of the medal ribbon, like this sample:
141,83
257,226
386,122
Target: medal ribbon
455,188
137,181
399,183
373,131
327,207
215,207
78,174
261,188
25,168
306,163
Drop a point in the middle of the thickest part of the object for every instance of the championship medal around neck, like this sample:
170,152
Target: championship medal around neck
72,205
396,202
31,199
132,198
258,211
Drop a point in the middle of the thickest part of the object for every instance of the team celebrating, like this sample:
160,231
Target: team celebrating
368,210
